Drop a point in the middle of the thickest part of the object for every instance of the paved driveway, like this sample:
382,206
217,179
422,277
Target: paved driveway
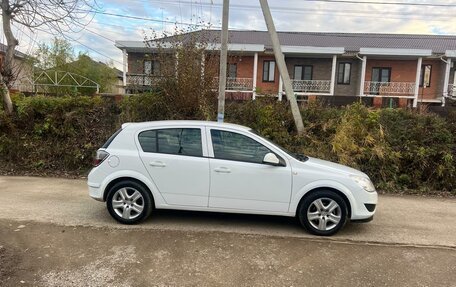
53,234
406,220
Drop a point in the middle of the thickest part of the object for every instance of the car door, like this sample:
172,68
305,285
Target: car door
239,178
176,162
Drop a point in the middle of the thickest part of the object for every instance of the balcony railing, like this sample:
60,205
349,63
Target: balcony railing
389,88
237,84
311,86
451,90
141,80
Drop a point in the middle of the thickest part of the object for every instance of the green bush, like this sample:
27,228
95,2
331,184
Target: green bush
55,134
399,149
424,146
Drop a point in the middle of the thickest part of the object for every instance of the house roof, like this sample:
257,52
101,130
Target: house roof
352,42
16,52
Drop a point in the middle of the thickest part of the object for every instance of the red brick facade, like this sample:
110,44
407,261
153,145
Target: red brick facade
401,71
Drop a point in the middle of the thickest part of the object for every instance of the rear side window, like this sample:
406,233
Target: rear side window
237,147
172,141
109,141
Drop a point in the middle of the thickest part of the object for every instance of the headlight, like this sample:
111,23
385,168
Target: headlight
364,182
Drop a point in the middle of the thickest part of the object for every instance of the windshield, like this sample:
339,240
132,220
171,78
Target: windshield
298,156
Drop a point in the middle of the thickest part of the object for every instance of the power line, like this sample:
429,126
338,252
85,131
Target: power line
386,3
77,41
152,19
357,14
99,53
434,17
453,5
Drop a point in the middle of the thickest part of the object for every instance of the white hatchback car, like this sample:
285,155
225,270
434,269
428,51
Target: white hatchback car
208,166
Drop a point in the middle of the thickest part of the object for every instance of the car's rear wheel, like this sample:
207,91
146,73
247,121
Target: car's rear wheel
323,212
129,202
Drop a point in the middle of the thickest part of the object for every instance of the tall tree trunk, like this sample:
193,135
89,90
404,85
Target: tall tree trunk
7,69
6,97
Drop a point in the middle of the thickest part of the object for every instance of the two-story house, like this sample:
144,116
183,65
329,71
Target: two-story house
406,70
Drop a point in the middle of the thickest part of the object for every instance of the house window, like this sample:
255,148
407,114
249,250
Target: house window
268,71
343,76
151,67
303,72
425,76
232,71
379,76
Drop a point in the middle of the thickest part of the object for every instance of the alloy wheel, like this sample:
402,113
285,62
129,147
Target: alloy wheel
128,203
324,214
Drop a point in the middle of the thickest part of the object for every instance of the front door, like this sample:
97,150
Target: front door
174,160
240,180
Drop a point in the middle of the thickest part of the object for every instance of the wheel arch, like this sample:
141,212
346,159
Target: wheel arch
340,193
127,178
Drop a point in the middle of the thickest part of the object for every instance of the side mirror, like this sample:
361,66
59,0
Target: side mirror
271,159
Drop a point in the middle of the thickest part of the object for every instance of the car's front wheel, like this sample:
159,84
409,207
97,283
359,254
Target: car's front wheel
129,202
323,212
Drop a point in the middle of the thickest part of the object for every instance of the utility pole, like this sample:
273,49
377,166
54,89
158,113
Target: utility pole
280,60
223,57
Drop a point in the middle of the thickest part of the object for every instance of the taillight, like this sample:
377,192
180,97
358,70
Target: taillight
100,157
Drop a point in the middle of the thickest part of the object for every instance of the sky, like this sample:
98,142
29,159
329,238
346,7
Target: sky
97,38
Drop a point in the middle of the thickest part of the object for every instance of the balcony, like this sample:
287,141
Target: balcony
141,80
311,86
237,84
393,89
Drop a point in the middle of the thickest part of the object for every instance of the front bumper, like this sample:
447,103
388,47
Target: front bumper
363,220
365,207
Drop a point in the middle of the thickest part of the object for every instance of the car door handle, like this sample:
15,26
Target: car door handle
157,163
222,169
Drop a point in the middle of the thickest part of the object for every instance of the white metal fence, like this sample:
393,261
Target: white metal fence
314,86
141,80
237,84
451,90
389,88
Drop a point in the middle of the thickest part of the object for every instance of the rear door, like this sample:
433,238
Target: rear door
175,160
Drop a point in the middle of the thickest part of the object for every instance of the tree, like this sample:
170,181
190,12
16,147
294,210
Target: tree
60,56
184,71
53,56
54,16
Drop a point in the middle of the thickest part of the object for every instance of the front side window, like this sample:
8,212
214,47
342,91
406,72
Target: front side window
237,147
172,141
268,71
343,75
425,76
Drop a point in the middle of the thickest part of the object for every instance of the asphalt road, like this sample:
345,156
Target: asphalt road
53,234
406,220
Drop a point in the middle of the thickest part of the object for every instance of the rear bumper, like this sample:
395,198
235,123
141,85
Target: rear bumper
95,191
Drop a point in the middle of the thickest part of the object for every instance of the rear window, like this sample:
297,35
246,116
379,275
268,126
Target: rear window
109,141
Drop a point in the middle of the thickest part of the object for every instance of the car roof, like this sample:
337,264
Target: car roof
154,124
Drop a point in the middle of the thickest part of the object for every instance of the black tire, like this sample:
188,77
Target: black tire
325,196
130,186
